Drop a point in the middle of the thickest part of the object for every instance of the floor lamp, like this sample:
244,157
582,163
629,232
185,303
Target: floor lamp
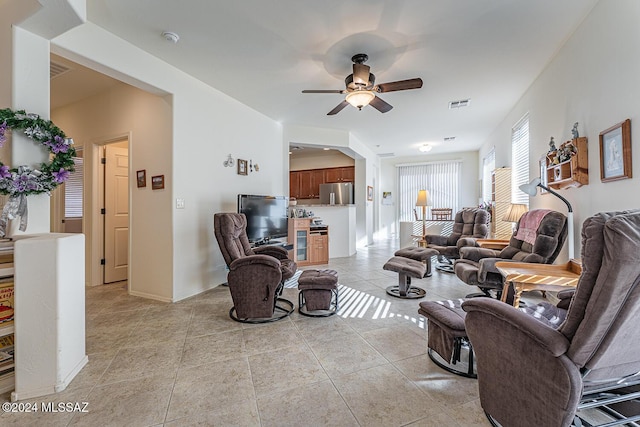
531,189
423,196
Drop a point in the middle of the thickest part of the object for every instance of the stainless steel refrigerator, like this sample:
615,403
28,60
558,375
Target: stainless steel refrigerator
336,194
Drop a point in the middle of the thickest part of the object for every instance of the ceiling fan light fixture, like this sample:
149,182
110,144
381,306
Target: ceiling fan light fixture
424,148
360,98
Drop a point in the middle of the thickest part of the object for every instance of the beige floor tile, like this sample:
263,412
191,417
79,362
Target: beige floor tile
211,388
316,404
140,402
136,362
445,388
270,336
232,414
396,343
469,414
212,348
302,368
382,396
90,375
346,355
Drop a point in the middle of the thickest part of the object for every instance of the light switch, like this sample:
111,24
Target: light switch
179,203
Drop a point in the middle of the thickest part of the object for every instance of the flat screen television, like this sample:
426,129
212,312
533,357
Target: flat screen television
266,216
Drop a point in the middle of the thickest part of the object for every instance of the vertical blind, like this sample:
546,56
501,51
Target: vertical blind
520,160
488,165
440,179
73,191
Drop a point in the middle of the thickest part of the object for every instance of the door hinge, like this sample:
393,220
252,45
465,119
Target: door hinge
103,160
103,211
103,261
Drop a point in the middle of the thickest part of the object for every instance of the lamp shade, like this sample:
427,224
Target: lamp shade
360,98
531,188
515,211
423,196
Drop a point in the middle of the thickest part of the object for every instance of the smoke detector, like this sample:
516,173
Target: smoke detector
170,36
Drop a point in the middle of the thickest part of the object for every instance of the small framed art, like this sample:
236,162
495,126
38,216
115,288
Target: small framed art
615,152
242,167
141,178
157,182
369,192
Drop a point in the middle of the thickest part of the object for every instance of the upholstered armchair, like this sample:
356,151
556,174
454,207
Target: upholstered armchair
538,238
469,224
256,275
533,373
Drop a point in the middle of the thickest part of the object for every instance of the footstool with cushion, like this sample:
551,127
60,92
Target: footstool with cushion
318,295
406,269
419,254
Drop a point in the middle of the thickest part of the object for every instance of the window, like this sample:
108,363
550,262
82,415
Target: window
441,179
488,165
73,190
520,160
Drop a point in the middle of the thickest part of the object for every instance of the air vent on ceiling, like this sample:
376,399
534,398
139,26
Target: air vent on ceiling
295,147
449,138
386,155
459,104
56,69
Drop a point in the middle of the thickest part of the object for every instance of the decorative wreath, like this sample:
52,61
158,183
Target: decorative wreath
24,180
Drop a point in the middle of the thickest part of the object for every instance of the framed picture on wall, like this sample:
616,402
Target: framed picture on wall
141,178
542,165
615,152
369,192
157,182
242,167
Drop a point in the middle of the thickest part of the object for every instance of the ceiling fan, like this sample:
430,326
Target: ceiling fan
361,88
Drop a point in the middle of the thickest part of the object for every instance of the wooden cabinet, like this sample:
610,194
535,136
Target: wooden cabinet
571,172
500,199
345,174
310,246
7,375
319,246
305,184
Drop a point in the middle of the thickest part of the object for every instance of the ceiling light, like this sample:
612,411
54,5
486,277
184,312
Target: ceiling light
326,148
425,148
360,98
170,36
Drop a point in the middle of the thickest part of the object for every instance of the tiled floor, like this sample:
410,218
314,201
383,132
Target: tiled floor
183,364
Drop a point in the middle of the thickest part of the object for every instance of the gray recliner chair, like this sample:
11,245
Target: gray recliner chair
532,373
469,224
256,275
477,266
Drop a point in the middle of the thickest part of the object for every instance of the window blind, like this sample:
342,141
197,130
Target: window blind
488,164
442,180
73,190
520,160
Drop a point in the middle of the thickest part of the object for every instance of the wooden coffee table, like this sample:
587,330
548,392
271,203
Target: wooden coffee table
544,277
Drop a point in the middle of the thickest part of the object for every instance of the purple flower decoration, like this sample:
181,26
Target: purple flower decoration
61,176
4,172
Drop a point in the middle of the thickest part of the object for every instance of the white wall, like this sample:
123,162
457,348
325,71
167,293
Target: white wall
469,191
206,126
592,80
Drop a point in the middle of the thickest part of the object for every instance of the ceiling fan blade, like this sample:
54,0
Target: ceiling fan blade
338,108
323,91
380,105
361,74
400,85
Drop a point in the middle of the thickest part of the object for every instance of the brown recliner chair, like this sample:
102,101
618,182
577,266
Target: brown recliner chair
256,275
534,374
542,244
469,224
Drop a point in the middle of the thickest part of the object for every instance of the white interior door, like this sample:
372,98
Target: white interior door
116,218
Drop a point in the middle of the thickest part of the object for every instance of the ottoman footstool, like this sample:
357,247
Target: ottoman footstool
446,336
419,254
406,269
318,295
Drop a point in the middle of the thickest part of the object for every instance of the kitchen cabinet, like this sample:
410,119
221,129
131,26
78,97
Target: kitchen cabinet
344,174
305,184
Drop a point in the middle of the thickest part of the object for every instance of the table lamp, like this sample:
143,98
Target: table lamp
531,189
422,200
513,214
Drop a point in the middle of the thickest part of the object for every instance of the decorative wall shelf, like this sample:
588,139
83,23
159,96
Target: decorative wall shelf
569,173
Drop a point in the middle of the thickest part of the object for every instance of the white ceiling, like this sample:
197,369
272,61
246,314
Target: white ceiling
264,53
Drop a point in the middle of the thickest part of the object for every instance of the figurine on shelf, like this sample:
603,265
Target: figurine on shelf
574,131
567,150
552,145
